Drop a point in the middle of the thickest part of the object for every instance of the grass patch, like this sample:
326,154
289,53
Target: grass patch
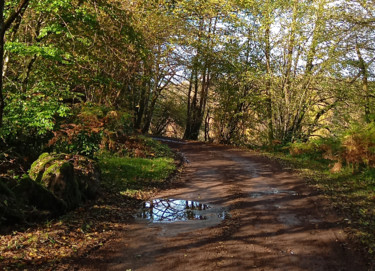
352,194
132,175
156,149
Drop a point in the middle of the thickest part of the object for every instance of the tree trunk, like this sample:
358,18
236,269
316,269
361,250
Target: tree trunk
149,115
189,107
143,100
365,88
4,26
2,41
268,82
287,76
2,101
197,107
207,126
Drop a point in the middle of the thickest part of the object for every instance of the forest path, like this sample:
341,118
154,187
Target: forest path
276,222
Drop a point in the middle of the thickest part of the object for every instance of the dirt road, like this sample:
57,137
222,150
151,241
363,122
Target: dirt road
275,222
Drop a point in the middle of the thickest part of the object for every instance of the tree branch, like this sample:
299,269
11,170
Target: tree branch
16,12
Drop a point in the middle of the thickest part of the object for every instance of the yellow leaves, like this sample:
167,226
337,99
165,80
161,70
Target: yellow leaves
33,254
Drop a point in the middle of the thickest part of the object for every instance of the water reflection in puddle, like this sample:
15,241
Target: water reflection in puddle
272,191
171,210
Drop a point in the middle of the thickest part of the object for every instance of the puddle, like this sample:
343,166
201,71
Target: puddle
172,210
272,191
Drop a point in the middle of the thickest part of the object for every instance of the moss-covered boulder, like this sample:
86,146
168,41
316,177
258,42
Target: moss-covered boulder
71,179
44,161
59,178
31,193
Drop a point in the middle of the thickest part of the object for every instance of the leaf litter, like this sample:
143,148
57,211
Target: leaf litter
62,241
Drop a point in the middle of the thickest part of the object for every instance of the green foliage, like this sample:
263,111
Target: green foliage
170,110
155,148
53,28
355,147
31,117
113,120
47,52
84,143
33,113
322,148
91,128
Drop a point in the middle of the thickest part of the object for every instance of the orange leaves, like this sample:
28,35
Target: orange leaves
68,132
91,128
359,149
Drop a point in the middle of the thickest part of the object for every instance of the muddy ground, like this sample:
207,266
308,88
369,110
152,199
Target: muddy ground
275,222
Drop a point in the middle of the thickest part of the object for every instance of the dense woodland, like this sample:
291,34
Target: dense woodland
242,72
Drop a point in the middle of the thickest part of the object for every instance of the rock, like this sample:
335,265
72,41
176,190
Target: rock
34,194
59,178
44,161
71,179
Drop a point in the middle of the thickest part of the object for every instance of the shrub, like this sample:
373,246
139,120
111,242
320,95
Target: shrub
359,146
356,147
93,128
30,118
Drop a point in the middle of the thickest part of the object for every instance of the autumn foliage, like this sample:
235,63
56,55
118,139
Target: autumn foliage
355,148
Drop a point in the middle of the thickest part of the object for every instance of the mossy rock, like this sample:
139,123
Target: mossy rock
59,178
70,178
34,194
44,161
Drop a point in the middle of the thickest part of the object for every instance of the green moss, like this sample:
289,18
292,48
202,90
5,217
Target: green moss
39,166
44,155
53,169
56,168
59,178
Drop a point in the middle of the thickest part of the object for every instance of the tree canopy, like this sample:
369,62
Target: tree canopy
237,71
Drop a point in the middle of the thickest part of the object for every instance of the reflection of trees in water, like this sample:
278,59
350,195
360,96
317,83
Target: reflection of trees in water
173,210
